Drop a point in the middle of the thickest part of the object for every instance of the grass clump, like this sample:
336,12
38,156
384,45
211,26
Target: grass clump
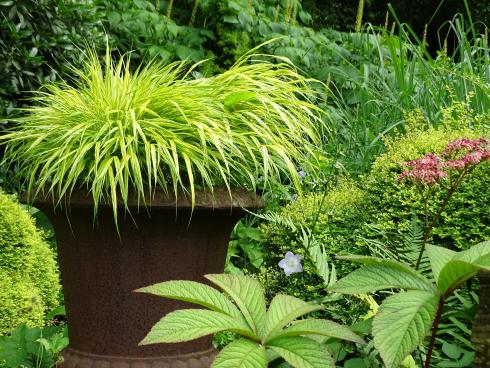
117,131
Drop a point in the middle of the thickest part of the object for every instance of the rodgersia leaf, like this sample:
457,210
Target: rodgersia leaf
379,274
321,327
302,352
248,295
438,258
461,266
194,292
189,324
478,255
402,323
241,353
282,310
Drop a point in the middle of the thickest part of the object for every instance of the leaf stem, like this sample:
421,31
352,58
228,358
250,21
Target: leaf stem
428,226
435,324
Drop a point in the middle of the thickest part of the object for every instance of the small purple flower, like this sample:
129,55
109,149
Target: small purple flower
291,263
301,174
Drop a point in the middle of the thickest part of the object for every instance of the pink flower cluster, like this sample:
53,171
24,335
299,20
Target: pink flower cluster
458,154
427,170
464,152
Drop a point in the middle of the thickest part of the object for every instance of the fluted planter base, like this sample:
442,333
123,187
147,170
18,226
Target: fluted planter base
76,359
100,269
481,324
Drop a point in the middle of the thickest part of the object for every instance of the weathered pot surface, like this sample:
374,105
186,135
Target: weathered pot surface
100,270
481,325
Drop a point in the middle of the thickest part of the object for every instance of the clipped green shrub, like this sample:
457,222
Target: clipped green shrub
29,285
392,202
20,303
335,219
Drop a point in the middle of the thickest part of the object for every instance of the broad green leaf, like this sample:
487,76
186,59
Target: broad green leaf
438,257
283,310
478,255
12,351
453,274
379,274
462,266
189,324
403,321
248,295
302,352
451,350
241,353
320,327
355,363
194,292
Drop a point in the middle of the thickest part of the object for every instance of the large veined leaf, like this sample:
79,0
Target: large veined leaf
454,273
403,321
282,310
241,353
302,352
189,324
379,274
320,327
462,266
478,255
248,295
194,292
438,257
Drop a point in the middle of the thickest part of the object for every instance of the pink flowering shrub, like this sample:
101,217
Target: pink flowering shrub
460,154
393,186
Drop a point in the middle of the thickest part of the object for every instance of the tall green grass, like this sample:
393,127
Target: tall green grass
118,131
394,73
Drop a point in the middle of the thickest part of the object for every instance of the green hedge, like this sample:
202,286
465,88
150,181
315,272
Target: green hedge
29,283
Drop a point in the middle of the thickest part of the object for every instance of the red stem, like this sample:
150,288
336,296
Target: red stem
429,226
435,324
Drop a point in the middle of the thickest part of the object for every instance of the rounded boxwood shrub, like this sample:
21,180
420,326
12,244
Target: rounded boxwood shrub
335,219
29,285
393,202
20,303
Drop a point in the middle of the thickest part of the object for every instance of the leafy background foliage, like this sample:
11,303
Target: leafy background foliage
335,219
38,42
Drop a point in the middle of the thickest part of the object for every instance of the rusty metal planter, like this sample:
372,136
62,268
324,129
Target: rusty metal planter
481,324
100,269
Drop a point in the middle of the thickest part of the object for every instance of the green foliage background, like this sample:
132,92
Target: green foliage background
335,218
38,42
29,280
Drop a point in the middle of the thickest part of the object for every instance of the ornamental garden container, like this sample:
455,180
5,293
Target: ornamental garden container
144,171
